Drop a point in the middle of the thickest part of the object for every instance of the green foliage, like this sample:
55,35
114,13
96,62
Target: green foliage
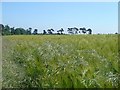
6,30
65,61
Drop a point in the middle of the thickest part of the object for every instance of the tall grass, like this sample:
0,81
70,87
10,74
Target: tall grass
61,61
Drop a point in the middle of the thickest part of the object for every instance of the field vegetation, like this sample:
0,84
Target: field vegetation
60,61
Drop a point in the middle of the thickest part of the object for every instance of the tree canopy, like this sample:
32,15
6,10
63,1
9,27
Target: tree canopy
7,30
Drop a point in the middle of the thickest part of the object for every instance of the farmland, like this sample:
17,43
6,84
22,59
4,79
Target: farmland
60,61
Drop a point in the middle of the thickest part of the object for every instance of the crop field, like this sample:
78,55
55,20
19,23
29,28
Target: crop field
60,61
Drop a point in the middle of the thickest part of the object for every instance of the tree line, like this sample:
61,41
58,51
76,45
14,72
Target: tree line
7,30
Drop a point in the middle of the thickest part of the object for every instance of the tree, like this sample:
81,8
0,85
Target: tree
1,28
6,30
44,32
20,31
28,31
90,31
75,30
70,31
30,28
12,31
35,31
50,31
83,30
60,31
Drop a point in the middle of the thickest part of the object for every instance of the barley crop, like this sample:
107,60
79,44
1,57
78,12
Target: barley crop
60,61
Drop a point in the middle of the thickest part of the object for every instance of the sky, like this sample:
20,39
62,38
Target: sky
101,17
59,0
